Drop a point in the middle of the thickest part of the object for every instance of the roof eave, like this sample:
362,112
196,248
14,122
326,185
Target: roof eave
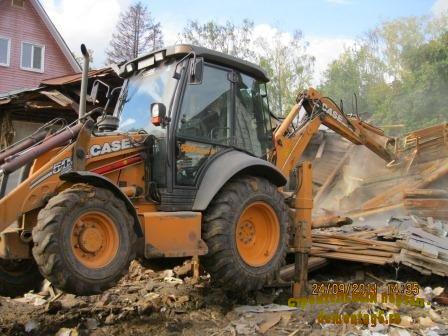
56,35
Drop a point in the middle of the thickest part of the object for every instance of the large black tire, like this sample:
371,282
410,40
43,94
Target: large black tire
58,256
224,261
17,277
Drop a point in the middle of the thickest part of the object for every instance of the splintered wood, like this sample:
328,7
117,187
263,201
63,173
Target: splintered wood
416,182
423,247
357,247
414,185
426,252
427,202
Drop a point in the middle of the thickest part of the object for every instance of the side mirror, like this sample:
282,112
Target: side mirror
196,71
158,114
95,88
94,92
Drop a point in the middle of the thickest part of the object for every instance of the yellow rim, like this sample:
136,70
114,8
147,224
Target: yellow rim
94,239
257,234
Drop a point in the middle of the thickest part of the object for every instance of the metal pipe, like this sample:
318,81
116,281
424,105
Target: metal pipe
53,142
84,82
28,142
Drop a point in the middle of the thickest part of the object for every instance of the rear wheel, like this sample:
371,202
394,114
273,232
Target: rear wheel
18,277
84,240
246,230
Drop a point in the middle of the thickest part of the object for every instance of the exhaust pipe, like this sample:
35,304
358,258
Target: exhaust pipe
84,82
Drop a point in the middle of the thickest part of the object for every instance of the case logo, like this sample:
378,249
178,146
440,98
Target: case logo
110,147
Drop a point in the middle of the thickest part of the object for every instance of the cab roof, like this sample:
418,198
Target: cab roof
209,55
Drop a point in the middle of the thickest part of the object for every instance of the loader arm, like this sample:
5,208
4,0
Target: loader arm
292,136
291,139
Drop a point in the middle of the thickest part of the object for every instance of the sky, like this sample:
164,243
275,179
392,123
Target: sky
328,25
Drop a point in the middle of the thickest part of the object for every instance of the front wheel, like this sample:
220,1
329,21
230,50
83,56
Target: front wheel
84,240
246,230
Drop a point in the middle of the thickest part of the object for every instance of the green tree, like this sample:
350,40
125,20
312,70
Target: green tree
284,58
420,98
228,38
398,71
288,65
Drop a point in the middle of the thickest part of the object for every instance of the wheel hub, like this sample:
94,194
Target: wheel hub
94,239
246,232
91,240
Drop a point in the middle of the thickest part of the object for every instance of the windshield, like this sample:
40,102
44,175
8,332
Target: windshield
155,85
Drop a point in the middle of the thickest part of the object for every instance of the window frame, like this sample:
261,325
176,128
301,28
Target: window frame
17,6
42,62
264,114
231,107
8,52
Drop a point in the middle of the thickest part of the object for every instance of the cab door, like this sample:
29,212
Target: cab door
204,125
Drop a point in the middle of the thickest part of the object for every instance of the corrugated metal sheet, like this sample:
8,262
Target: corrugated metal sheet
75,78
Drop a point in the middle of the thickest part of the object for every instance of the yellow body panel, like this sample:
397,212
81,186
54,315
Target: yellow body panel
173,234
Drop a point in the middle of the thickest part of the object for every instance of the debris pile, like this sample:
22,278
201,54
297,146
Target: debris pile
361,185
424,251
355,247
399,209
148,302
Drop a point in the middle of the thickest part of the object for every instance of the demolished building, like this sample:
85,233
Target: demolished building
399,209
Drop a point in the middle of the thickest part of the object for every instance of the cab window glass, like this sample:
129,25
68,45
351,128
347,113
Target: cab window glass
191,157
155,85
252,123
205,112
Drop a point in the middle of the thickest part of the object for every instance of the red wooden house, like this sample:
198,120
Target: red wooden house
31,48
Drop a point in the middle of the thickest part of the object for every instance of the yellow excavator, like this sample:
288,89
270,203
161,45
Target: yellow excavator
183,161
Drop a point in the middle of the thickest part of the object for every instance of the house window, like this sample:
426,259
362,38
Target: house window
5,49
32,57
18,3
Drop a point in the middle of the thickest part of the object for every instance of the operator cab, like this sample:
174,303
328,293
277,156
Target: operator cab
197,103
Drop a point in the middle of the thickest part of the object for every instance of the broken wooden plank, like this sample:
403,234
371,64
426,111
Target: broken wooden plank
330,221
441,242
374,211
287,271
355,257
426,193
426,203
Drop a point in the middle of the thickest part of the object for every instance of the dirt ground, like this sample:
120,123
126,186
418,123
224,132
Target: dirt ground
167,302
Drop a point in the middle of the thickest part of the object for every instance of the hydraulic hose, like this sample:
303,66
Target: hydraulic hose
55,141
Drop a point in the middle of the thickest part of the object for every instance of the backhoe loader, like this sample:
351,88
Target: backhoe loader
185,160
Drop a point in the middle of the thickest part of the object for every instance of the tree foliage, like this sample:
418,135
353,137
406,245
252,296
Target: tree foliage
399,72
136,33
287,63
228,38
284,57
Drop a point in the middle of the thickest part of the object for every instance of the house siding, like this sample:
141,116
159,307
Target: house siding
25,25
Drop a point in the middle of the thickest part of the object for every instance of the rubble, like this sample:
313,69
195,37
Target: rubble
360,185
412,191
144,304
